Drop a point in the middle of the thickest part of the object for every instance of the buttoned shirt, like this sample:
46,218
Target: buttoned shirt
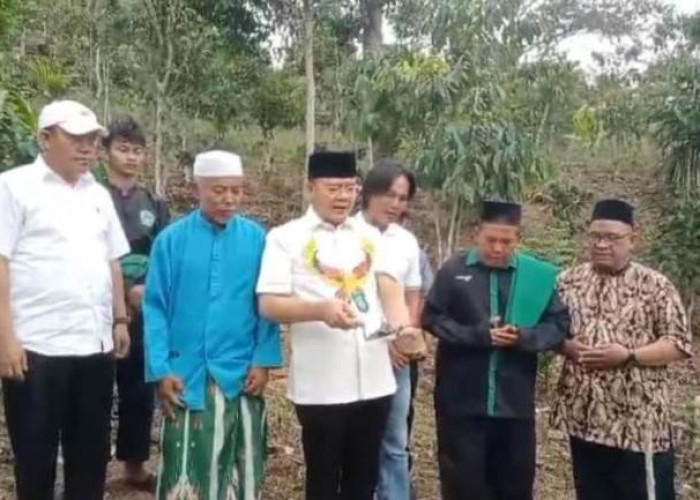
59,239
627,407
200,307
316,261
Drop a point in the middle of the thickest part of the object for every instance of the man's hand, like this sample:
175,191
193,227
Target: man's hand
13,359
256,381
134,297
411,342
573,349
169,390
339,314
398,359
604,357
122,341
506,336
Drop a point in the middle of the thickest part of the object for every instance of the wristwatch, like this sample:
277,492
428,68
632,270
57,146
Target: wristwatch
631,358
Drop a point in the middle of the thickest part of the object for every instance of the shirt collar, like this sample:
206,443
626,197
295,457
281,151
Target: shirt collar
474,258
47,173
212,225
390,229
123,193
314,221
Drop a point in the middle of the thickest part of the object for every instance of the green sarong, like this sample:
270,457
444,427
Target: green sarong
215,454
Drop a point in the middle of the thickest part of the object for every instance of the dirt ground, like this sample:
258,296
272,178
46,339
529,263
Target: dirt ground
285,469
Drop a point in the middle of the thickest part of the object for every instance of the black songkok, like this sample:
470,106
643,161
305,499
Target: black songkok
617,210
501,211
332,164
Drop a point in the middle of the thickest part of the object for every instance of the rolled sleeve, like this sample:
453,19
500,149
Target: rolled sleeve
276,268
10,220
383,262
671,322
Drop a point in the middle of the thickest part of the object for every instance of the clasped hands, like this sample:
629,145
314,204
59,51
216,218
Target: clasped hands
601,357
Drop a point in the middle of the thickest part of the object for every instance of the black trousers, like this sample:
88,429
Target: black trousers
136,401
67,398
341,448
486,458
604,473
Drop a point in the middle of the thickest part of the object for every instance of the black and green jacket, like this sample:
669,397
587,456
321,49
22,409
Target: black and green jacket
143,216
473,378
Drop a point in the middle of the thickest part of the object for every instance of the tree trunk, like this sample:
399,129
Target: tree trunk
453,229
158,146
268,148
106,110
310,85
438,233
372,38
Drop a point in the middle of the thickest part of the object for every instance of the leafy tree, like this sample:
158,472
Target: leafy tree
276,102
674,248
17,130
677,127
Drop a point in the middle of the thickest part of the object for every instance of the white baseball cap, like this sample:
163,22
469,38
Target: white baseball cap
218,164
71,116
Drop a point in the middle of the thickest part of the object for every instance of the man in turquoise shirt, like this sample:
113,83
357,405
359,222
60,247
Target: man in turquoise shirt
205,344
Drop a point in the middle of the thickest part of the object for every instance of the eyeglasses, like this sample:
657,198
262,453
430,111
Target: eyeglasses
609,238
338,190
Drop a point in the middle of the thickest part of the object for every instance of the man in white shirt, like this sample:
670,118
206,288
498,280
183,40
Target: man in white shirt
329,276
62,311
386,192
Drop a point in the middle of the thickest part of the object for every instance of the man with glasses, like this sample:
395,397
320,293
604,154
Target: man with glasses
334,280
628,325
62,312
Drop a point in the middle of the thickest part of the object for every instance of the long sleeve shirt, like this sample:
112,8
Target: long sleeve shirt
200,306
473,377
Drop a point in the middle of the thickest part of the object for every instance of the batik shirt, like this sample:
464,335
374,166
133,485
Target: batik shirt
627,407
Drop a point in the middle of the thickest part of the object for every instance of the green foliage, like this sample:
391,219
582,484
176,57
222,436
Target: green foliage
241,22
543,97
472,161
277,102
565,201
399,98
555,245
587,126
623,111
675,246
48,77
677,127
17,126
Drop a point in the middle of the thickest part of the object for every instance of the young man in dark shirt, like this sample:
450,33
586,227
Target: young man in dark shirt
492,310
142,216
